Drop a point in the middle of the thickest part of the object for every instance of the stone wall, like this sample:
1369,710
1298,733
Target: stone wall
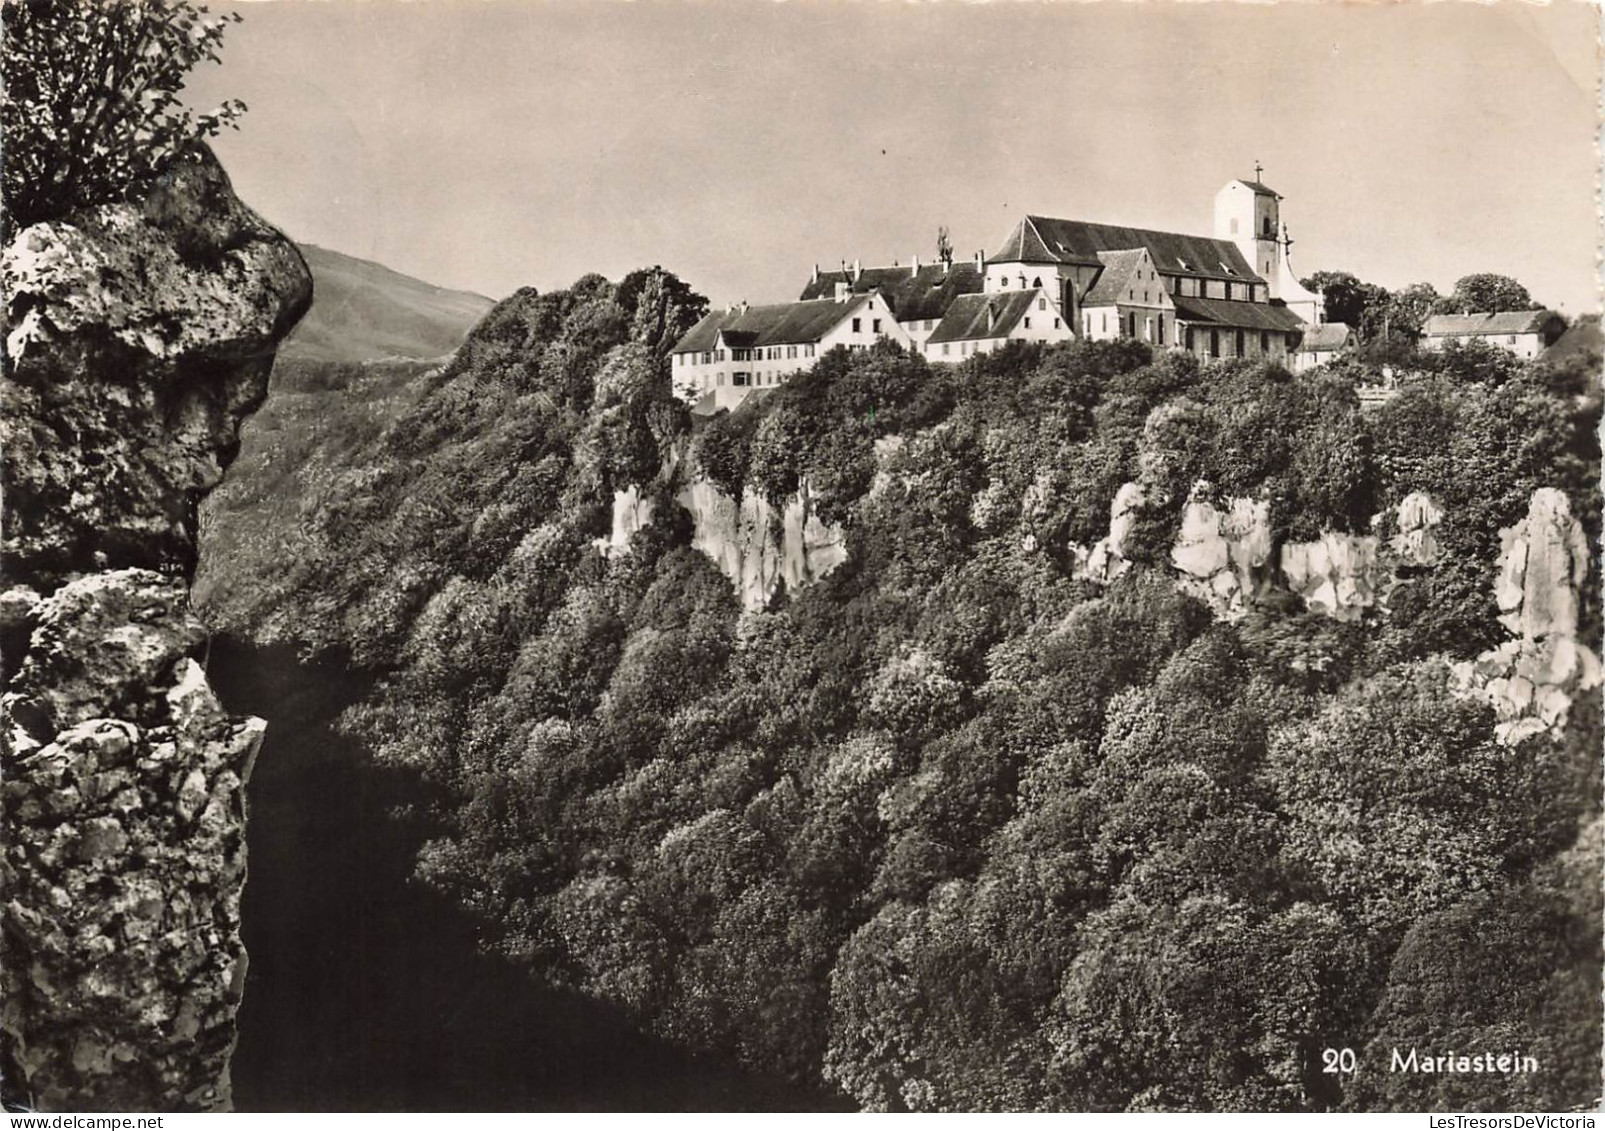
140,335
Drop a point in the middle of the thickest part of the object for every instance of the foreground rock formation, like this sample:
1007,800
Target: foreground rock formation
140,335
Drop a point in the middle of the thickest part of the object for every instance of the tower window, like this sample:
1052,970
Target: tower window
1234,227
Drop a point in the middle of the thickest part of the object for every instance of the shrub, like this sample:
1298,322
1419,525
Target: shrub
91,98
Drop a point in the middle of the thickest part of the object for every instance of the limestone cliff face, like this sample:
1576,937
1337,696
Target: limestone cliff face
1223,555
752,546
139,336
740,538
1531,679
1225,558
1106,560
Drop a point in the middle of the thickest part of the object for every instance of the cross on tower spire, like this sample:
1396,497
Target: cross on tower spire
1258,169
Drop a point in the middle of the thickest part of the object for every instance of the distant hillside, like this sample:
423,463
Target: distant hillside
362,311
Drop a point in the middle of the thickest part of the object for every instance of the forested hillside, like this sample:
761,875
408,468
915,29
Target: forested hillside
955,827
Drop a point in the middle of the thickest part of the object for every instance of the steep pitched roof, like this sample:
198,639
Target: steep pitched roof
782,323
1506,322
1236,315
967,318
1043,239
1326,337
911,295
1116,278
1260,187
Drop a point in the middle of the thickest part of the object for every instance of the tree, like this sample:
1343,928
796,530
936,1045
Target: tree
944,246
91,102
1486,293
1347,299
661,306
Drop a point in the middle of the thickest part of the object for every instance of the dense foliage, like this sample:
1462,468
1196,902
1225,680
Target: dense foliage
950,828
91,106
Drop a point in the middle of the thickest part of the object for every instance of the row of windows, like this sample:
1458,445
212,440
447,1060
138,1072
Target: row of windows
740,379
760,353
1176,284
965,348
858,326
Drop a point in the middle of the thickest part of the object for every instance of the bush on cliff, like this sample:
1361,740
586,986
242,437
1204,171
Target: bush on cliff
91,109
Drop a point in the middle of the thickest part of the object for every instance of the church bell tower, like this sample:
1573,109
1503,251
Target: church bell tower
1248,213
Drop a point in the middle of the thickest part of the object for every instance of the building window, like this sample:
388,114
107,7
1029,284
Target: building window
1104,319
1228,292
858,325
1027,321
944,349
719,380
1264,341
1148,329
1042,304
1189,339
1005,280
1056,324
1234,227
1214,343
1161,324
1239,343
876,326
1511,340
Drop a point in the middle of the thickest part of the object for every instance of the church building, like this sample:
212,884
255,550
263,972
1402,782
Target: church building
1230,295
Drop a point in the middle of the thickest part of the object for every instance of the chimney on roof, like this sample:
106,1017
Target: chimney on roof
816,272
991,315
742,306
980,261
841,291
858,270
916,268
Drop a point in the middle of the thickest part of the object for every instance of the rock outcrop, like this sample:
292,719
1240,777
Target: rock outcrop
1532,678
1223,556
742,540
1337,574
1107,558
125,854
140,334
631,513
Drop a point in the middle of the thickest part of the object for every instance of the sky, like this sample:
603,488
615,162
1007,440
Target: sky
493,144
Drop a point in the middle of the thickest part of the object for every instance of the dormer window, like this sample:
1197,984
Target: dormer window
1182,263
